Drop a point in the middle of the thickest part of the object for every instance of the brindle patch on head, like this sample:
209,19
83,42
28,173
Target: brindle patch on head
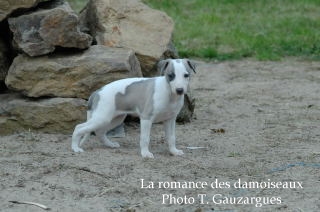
169,72
190,65
93,100
137,96
170,76
166,68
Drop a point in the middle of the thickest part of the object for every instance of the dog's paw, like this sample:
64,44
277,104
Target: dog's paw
147,154
176,152
77,149
112,144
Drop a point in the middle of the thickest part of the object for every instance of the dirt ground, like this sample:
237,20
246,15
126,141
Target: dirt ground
256,121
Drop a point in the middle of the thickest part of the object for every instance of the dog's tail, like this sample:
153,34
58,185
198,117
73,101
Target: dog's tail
85,137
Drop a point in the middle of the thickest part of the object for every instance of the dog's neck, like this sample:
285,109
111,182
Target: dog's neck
175,97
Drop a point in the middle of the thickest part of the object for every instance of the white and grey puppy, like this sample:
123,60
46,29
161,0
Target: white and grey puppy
157,99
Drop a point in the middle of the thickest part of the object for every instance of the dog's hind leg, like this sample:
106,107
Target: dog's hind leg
84,139
76,136
101,133
82,130
86,136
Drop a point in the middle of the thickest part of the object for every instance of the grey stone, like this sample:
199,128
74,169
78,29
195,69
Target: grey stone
9,6
49,115
131,24
71,75
187,110
41,31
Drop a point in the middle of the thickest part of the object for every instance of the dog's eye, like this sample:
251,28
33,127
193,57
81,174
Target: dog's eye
171,76
186,75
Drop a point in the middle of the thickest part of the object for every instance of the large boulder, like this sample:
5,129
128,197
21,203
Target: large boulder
9,6
131,24
52,24
71,75
53,115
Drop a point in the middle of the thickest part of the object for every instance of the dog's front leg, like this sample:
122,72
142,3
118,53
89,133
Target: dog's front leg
145,126
170,131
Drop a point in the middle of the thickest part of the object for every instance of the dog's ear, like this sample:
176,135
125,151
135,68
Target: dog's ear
190,64
162,66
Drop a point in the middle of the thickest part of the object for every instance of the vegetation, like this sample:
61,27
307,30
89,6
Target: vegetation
233,29
77,5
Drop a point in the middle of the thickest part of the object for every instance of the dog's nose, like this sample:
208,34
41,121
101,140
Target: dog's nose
179,91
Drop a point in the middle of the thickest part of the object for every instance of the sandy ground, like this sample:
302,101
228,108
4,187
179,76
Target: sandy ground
257,121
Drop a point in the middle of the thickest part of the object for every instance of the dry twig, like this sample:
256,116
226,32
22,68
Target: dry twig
31,203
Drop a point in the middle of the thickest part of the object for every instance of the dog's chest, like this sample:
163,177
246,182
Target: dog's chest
167,111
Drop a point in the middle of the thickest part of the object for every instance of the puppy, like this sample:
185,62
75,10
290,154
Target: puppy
157,99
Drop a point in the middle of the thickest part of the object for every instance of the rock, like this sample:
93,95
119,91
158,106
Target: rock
9,6
187,110
71,75
4,61
131,24
52,24
51,115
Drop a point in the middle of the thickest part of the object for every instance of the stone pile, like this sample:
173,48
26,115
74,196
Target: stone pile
51,59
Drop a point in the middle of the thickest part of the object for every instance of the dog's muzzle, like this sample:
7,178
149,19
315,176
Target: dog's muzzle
179,91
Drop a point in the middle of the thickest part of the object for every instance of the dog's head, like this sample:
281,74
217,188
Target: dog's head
177,73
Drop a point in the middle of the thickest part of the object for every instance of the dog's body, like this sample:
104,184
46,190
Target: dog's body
157,99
